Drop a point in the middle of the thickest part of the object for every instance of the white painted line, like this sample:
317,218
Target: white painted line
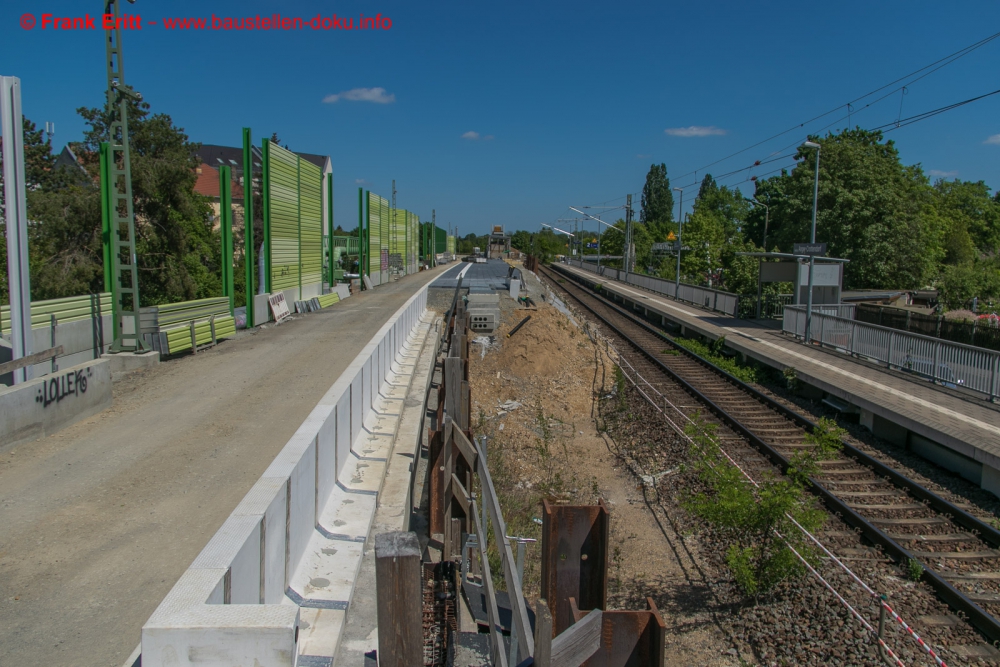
872,383
461,274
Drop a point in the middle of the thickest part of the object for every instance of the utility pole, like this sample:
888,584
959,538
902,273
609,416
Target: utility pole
392,217
680,225
628,236
125,273
434,237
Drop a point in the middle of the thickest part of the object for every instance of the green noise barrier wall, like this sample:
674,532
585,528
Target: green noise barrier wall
173,327
295,212
397,240
375,207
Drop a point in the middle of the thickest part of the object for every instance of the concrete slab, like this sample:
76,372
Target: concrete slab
40,407
129,362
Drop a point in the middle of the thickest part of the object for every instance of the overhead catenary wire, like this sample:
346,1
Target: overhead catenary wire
942,62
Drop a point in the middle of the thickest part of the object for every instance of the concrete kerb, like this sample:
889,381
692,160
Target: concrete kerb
211,617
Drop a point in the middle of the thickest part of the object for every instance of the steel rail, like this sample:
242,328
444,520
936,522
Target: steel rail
979,618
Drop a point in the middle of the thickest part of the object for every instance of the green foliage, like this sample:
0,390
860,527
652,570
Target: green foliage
731,366
657,203
959,283
755,521
613,243
914,570
827,442
871,210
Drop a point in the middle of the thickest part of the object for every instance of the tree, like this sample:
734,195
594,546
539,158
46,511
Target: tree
871,210
974,214
657,202
177,250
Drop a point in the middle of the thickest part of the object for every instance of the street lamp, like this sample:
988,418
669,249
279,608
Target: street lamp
812,239
572,208
767,215
680,224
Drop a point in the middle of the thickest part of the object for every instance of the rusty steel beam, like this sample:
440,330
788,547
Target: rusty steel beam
574,559
628,637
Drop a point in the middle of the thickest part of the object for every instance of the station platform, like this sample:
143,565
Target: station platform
956,429
492,274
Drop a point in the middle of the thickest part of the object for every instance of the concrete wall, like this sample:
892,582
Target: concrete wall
212,616
82,341
39,407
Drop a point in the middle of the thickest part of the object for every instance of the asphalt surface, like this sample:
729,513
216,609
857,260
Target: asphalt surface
98,521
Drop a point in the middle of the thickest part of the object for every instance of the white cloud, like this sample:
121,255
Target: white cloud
376,95
360,181
471,136
995,139
936,173
694,131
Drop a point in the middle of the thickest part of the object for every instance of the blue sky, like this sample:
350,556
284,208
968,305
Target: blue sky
571,102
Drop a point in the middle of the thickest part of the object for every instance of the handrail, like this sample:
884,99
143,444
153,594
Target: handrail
952,364
729,301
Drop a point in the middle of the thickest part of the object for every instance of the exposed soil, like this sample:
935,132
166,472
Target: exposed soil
550,446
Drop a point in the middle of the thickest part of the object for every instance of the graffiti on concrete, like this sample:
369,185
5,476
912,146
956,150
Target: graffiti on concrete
69,384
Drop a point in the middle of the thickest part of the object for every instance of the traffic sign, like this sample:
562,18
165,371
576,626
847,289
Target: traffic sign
809,248
671,236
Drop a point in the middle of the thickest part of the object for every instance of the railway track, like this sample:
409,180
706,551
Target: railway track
957,550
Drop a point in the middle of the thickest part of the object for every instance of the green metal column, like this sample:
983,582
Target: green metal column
226,232
265,187
361,236
106,214
249,251
125,273
298,203
329,225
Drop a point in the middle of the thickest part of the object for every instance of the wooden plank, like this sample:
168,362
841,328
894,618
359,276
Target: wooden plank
466,405
453,387
399,600
460,494
30,360
466,448
499,655
578,642
526,643
543,635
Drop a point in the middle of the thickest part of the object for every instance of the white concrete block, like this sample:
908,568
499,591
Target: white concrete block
326,459
344,435
366,387
245,572
302,514
357,405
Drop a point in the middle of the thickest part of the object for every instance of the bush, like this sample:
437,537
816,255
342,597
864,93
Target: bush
713,353
755,521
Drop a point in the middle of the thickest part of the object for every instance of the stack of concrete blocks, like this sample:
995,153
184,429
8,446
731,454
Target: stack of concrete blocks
288,555
483,310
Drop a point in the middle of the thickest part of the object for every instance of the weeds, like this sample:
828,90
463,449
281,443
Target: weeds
914,570
826,441
791,378
754,521
713,353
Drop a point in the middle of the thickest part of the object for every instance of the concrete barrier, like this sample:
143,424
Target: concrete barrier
293,546
39,407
